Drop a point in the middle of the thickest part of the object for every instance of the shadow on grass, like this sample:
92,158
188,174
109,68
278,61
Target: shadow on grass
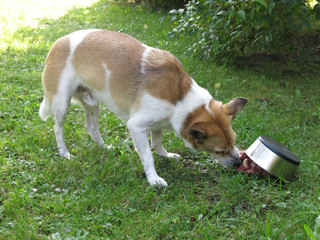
305,60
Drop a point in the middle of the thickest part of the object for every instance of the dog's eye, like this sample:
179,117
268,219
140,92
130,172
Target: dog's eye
219,152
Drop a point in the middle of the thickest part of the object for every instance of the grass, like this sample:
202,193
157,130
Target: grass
101,194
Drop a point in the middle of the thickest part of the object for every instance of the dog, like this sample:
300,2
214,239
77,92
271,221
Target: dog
146,87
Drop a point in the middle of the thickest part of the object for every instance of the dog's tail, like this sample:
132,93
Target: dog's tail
45,110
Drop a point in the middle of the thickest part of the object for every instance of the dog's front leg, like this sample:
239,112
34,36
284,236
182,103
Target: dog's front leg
156,139
140,140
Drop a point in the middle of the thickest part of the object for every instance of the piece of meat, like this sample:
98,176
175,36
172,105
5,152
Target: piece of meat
250,166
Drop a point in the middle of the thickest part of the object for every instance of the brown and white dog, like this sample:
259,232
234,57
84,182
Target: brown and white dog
144,86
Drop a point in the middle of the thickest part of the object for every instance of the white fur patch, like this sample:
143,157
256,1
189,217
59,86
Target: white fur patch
196,97
154,112
144,58
68,75
45,109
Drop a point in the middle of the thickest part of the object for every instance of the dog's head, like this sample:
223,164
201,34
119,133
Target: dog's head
208,128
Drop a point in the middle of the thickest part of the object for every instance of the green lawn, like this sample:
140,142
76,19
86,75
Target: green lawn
101,194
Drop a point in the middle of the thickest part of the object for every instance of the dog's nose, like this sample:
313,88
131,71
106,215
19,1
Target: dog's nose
237,161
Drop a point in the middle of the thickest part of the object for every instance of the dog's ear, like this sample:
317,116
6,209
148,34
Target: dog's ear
234,106
198,133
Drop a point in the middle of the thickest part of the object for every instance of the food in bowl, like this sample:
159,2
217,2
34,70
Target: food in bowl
250,166
268,157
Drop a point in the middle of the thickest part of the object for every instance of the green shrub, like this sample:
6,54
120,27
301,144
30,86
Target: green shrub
161,4
166,4
233,28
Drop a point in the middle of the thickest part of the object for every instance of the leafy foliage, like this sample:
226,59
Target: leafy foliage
166,4
223,27
160,4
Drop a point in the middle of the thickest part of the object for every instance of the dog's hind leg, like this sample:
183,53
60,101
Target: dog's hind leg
60,107
91,106
156,140
92,124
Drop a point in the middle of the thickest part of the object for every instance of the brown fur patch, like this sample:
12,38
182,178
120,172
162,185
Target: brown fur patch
122,55
224,122
119,52
216,128
55,63
165,77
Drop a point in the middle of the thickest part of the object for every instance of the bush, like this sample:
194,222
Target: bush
162,4
166,4
234,28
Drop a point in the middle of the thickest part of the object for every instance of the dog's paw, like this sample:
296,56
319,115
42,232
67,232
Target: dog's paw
173,156
158,181
65,155
105,146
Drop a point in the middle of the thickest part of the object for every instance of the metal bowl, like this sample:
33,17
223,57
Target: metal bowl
273,157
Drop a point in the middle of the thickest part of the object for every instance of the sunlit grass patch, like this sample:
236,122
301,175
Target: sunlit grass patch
15,14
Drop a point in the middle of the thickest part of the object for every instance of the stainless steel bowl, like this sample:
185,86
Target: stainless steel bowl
273,157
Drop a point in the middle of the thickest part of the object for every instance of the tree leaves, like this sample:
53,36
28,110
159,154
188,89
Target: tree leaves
262,2
241,14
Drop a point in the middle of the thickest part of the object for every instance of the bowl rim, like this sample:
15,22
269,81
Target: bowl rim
279,150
